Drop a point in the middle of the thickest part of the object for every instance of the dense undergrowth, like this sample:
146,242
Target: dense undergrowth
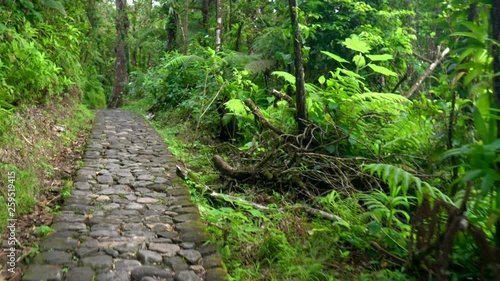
272,244
375,163
48,81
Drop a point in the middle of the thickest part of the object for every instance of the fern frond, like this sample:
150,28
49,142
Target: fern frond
396,177
259,66
56,5
181,60
390,97
237,107
285,75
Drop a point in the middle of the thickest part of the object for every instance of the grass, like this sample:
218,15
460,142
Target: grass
31,144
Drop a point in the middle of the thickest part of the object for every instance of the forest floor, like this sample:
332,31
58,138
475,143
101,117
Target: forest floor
62,161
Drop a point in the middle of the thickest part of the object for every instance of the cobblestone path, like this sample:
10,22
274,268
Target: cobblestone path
125,219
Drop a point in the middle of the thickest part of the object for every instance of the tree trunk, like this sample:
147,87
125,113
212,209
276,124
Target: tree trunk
186,17
299,68
237,44
204,13
133,58
172,26
218,30
121,76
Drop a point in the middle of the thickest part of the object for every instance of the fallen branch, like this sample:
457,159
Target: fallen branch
421,57
227,170
283,96
384,251
186,174
53,199
427,72
258,114
309,210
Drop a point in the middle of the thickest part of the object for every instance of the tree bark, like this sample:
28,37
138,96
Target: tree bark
299,68
121,76
218,30
204,14
173,20
237,43
186,22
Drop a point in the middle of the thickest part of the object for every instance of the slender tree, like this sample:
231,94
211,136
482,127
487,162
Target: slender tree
121,76
170,9
218,30
186,22
299,68
204,12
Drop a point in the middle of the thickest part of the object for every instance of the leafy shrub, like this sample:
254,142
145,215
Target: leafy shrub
93,93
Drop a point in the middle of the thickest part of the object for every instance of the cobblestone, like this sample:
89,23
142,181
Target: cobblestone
127,219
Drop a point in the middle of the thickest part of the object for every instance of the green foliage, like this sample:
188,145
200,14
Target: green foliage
42,231
360,57
93,93
400,181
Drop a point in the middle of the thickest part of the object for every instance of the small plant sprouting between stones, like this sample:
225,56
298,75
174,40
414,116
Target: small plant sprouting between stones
42,231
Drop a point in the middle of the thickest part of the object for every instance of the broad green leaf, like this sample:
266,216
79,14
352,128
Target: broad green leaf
476,29
495,145
321,79
383,57
355,43
481,126
255,213
350,73
382,70
334,56
472,175
227,118
488,182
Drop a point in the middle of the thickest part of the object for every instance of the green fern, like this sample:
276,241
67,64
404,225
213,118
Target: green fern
397,178
285,75
181,60
237,107
260,66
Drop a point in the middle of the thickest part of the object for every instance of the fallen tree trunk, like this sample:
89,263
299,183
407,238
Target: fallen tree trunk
227,170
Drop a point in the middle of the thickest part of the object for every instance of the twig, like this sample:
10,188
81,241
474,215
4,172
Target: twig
23,256
309,210
53,199
384,251
421,57
30,143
